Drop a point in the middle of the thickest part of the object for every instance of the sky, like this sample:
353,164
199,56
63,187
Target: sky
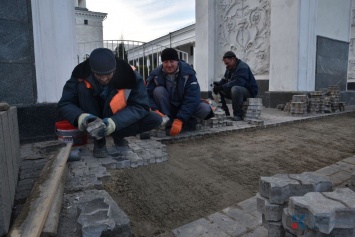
143,20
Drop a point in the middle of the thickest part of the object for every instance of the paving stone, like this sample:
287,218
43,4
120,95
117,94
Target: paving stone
97,214
242,217
350,160
135,159
325,211
276,188
248,205
340,177
345,166
329,170
200,227
280,187
274,229
227,224
109,163
123,163
80,183
258,232
271,212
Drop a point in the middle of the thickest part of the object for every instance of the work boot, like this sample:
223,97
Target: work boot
226,110
100,150
119,141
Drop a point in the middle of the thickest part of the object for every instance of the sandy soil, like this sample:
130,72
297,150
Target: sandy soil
208,175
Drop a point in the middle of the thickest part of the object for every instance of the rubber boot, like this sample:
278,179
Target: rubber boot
100,150
119,141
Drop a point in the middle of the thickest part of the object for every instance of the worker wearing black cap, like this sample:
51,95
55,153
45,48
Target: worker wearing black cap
106,89
173,91
238,84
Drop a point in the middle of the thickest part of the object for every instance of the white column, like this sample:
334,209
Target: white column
54,46
205,42
284,45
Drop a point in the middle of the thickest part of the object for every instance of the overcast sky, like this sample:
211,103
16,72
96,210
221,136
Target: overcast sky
143,20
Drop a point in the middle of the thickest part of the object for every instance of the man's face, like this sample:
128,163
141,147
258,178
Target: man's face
230,63
104,79
170,66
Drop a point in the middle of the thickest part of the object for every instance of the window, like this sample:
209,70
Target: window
85,22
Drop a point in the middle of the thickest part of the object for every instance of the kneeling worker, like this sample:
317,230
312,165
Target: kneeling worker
238,84
173,90
107,89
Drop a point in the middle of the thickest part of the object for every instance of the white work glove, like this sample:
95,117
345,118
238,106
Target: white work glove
83,121
110,126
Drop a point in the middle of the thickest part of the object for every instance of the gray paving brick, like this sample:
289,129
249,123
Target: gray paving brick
328,170
201,228
350,160
123,163
248,205
280,187
345,166
97,215
258,232
227,224
271,212
325,211
242,217
339,177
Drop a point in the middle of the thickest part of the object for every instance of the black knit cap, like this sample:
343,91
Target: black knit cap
169,54
229,54
102,61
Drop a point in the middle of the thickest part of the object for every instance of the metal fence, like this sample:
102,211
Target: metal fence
145,57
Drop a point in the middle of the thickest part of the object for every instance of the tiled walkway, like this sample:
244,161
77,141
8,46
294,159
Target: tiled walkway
89,174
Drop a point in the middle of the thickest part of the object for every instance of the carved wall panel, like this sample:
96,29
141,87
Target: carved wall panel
243,26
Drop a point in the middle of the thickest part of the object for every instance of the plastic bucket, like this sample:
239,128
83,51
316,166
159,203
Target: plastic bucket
68,133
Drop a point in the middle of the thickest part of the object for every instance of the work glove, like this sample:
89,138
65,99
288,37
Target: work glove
110,126
83,121
160,113
217,89
176,127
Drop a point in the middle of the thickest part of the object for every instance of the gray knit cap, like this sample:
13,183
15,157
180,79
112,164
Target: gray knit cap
102,61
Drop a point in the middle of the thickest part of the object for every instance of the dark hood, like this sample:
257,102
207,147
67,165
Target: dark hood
123,78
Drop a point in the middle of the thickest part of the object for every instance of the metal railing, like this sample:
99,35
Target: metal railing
145,57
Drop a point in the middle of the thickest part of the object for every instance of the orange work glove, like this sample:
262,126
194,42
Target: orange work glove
176,127
160,113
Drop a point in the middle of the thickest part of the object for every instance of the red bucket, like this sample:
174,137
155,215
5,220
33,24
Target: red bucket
68,133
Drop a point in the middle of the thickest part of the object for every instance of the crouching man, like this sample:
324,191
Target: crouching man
107,90
173,91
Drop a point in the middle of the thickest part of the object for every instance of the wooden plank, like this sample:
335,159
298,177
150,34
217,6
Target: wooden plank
5,201
51,226
33,215
15,141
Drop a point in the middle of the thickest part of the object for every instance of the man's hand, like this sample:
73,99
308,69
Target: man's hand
110,126
176,127
217,89
83,121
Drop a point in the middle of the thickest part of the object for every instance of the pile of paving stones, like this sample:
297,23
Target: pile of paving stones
299,105
275,191
325,100
252,109
305,205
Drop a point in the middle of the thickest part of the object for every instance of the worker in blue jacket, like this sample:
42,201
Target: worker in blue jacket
238,84
108,88
173,90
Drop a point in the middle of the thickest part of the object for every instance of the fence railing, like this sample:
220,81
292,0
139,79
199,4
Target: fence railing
145,57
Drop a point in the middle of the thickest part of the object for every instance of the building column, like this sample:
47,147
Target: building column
293,45
54,46
205,43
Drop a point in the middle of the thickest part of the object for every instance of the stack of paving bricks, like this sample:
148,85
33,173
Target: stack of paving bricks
321,214
299,105
252,109
274,194
315,102
9,164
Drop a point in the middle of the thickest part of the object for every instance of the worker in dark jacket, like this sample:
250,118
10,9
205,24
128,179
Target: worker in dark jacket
238,84
173,90
107,88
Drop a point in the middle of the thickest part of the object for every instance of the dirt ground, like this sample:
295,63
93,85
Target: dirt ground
204,176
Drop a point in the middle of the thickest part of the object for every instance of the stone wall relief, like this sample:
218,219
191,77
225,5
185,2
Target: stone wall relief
244,28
